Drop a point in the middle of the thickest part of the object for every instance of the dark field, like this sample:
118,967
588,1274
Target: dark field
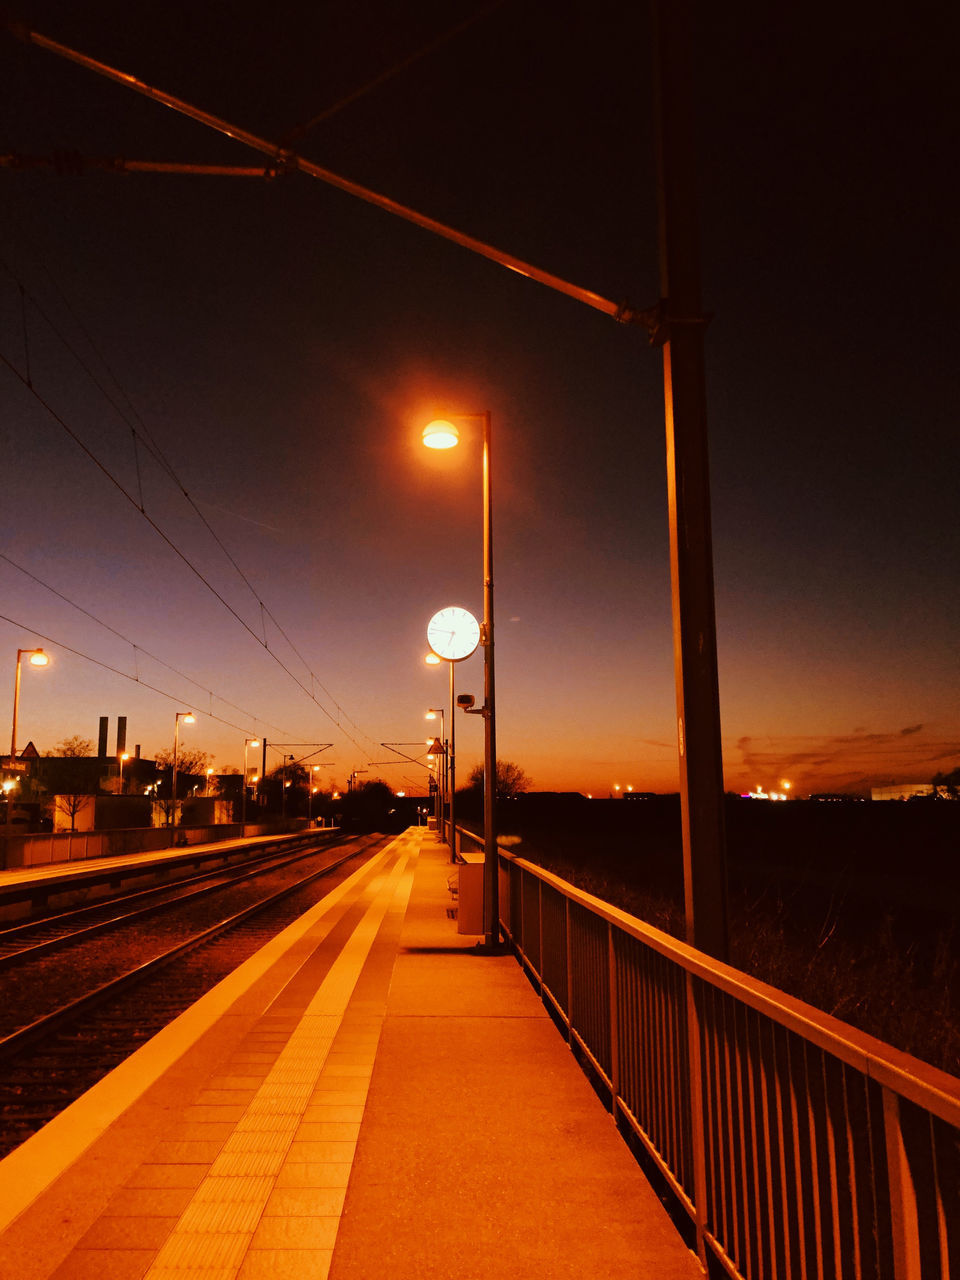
852,907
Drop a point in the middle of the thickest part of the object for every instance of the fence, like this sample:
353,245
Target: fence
798,1147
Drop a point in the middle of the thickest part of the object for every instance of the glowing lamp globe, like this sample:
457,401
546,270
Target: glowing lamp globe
440,435
39,659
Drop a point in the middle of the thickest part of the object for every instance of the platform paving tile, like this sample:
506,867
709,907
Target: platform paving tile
301,1232
231,1097
181,1176
305,1202
105,1264
127,1233
286,1264
148,1202
320,1175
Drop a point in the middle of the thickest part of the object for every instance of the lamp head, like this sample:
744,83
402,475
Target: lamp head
432,660
39,659
440,435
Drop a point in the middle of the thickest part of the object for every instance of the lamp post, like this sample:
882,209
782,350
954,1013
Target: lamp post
124,755
432,714
247,744
37,659
188,718
311,791
444,435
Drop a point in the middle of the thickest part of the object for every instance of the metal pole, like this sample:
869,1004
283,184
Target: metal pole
688,487
16,706
173,780
453,770
491,887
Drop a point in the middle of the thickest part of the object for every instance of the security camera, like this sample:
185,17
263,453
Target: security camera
465,700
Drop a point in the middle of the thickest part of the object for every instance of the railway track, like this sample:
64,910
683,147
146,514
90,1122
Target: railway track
32,938
52,1059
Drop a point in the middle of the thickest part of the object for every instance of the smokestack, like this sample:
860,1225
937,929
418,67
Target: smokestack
121,734
136,752
102,747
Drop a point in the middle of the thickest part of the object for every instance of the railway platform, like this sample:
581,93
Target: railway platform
369,1095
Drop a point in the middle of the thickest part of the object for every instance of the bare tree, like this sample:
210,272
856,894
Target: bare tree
70,806
74,748
511,780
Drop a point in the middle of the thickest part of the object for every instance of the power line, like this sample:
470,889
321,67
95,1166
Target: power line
98,662
137,648
155,451
190,565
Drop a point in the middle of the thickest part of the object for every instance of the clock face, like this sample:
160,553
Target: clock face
453,633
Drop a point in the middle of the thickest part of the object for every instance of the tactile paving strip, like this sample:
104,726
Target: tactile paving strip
225,1215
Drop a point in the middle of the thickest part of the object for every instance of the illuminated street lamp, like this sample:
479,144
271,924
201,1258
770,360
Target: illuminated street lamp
432,714
311,792
37,659
441,434
124,755
188,718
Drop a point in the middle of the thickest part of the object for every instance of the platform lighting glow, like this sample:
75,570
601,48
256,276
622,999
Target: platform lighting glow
39,659
440,435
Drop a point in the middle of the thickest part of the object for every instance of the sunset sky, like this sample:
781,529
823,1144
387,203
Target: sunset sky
277,346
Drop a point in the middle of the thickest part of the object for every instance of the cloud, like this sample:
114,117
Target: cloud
839,762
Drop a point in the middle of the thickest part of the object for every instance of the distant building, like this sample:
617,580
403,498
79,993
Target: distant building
902,791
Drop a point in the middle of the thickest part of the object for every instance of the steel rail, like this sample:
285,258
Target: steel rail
23,1037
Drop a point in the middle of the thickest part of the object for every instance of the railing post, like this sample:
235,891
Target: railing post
697,1135
903,1201
569,1009
614,1023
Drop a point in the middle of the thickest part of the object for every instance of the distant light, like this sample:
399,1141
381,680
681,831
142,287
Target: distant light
401,793
589,796
209,771
255,778
431,715
39,659
440,435
125,755
254,742
189,718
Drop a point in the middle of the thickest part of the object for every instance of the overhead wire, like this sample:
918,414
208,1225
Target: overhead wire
336,720
106,666
300,130
156,452
137,648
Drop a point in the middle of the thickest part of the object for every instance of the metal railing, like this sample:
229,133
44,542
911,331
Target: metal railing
798,1147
